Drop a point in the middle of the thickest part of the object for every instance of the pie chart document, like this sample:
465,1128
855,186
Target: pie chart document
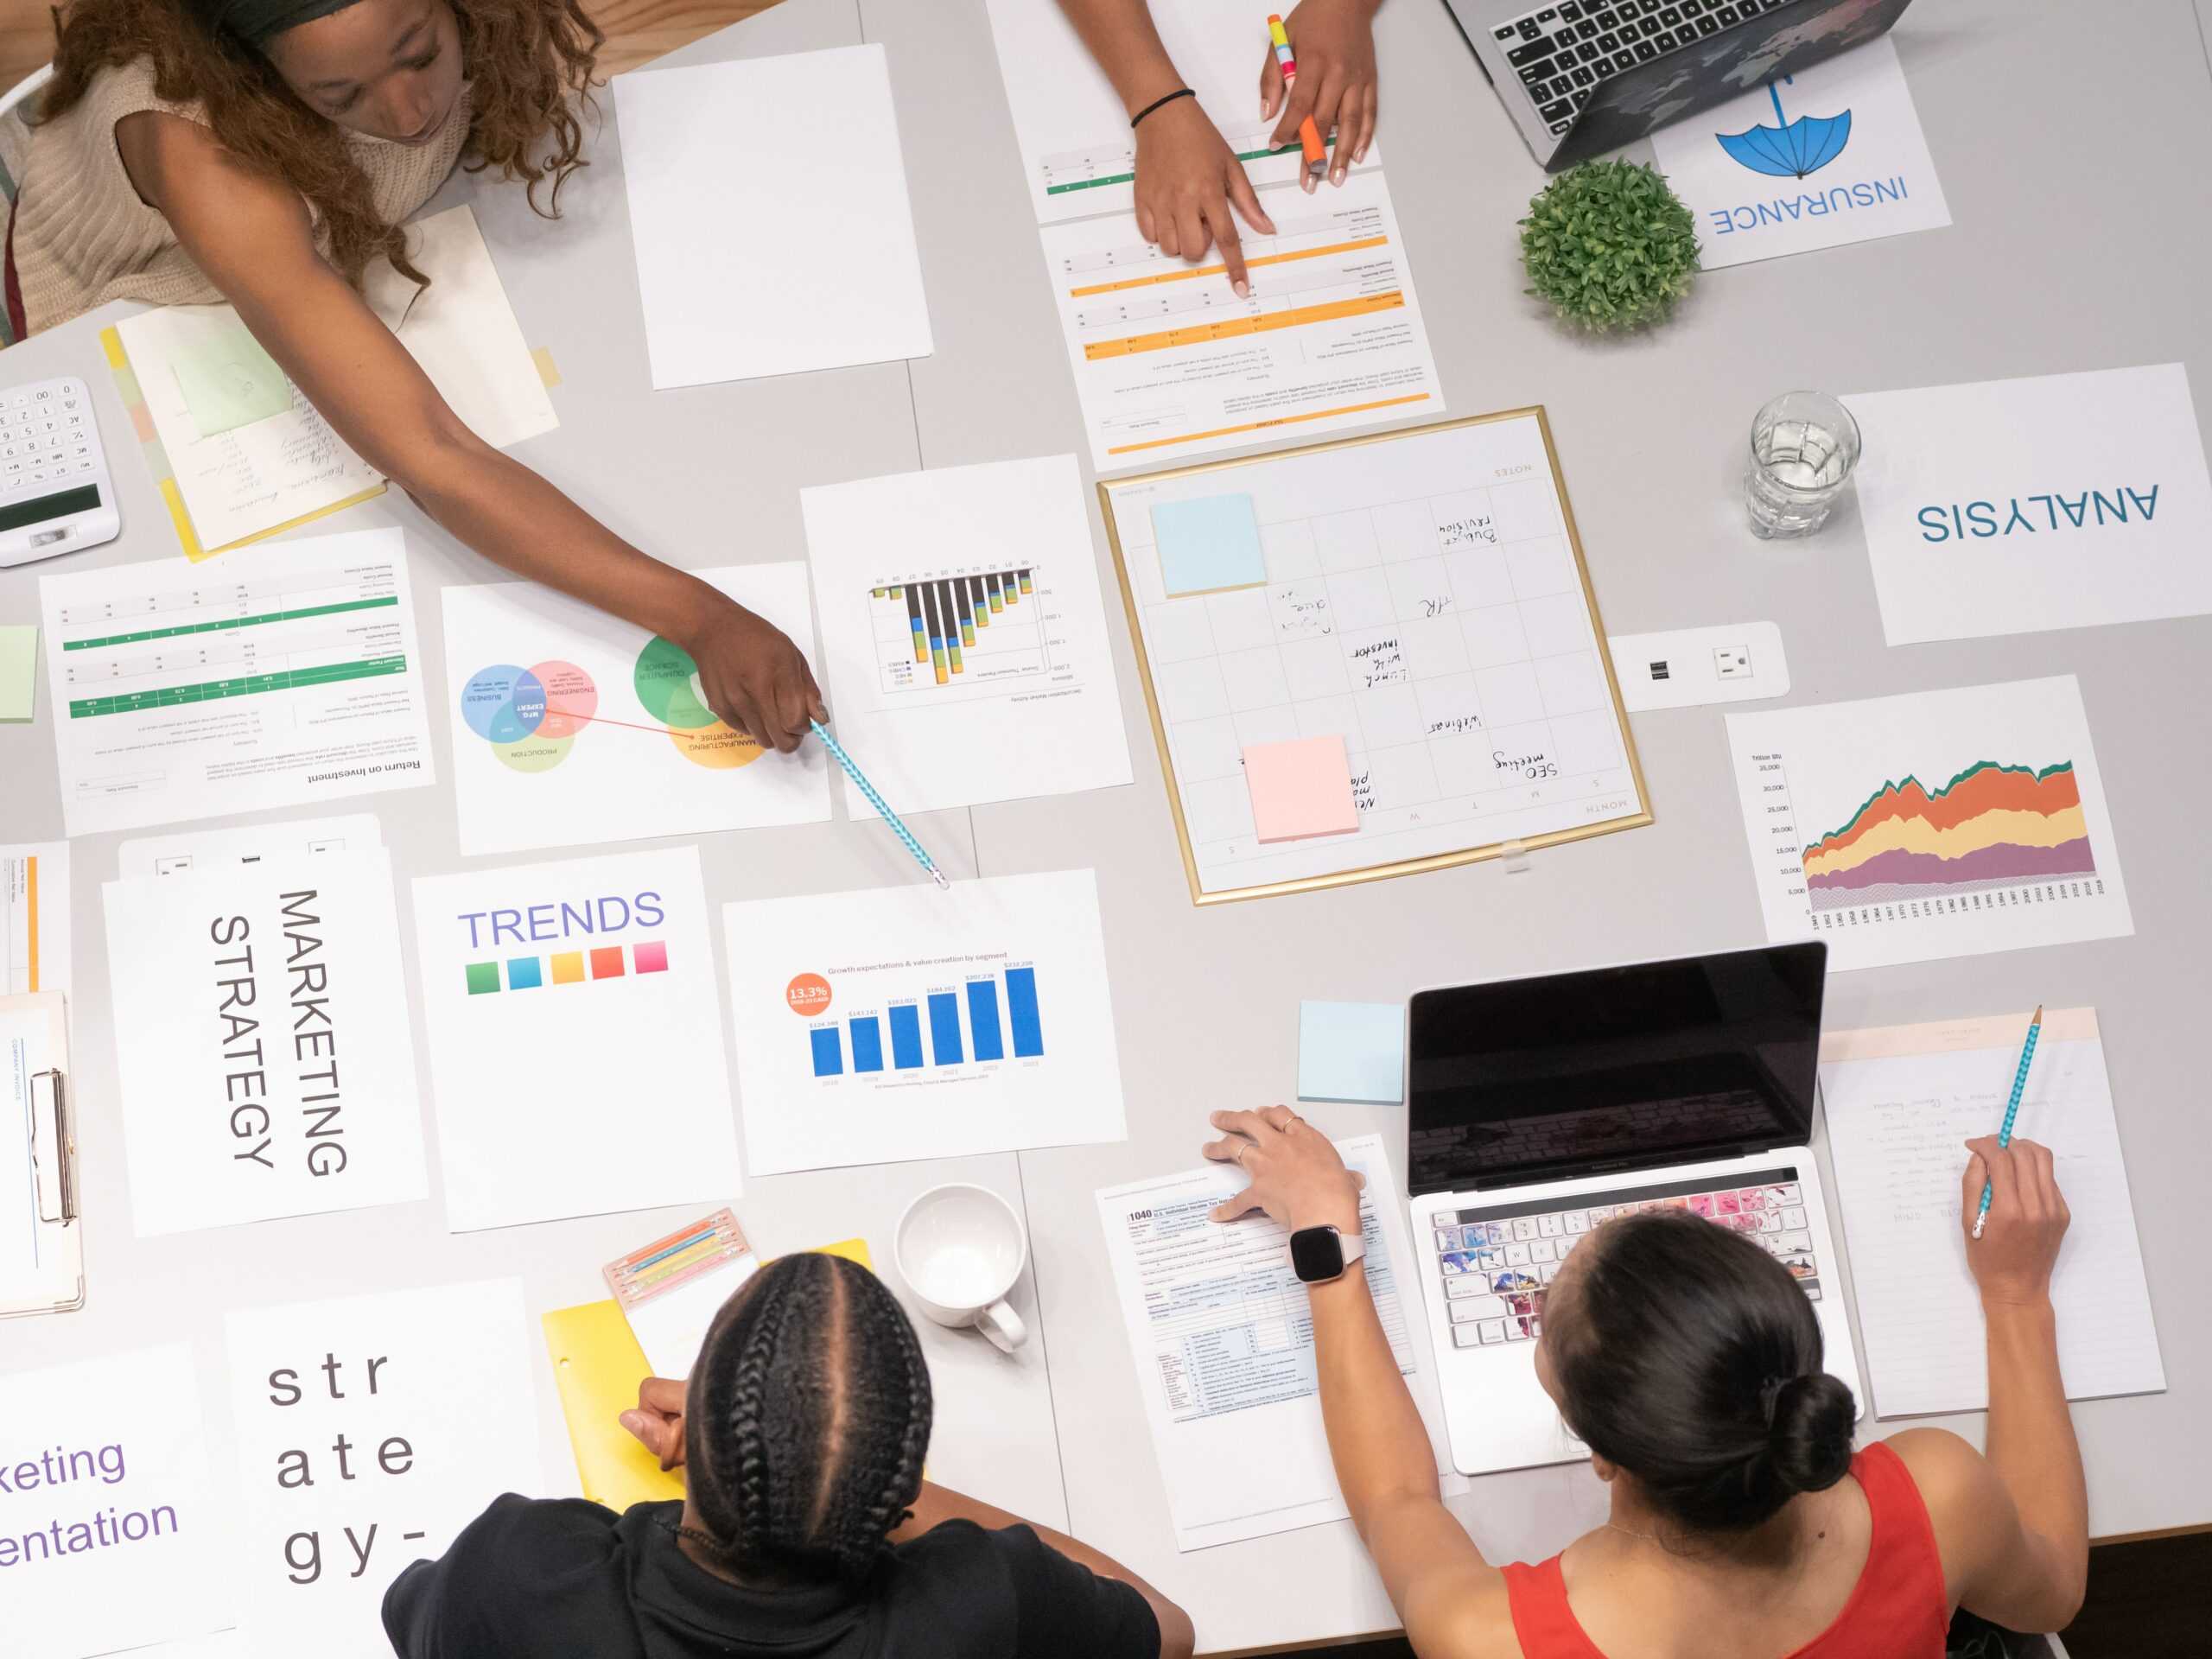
573,727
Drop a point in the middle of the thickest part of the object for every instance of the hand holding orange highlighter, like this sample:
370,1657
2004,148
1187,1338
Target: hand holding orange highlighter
1309,136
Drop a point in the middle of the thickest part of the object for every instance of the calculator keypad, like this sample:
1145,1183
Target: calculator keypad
47,440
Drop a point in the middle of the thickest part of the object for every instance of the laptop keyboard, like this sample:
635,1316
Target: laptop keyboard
1562,53
1496,1261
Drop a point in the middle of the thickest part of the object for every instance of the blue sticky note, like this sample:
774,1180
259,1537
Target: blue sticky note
1209,543
1351,1051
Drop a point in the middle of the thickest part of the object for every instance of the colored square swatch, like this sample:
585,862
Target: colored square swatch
1300,788
1353,1050
568,967
523,974
1208,545
483,977
607,961
651,959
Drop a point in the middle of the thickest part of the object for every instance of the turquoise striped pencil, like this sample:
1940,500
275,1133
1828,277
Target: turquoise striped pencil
2011,1109
898,824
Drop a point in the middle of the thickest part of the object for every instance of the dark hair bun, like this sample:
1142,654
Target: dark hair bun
1809,1441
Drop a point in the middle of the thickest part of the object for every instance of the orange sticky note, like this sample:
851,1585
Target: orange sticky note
1300,789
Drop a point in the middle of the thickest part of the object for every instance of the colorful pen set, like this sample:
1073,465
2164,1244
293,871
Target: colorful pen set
2011,1111
898,826
1309,136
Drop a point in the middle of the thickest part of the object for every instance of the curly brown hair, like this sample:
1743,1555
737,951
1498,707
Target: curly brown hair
523,57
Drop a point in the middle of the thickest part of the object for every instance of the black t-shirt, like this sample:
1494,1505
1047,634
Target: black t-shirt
564,1576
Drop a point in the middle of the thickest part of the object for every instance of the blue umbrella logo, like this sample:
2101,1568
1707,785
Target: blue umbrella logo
1792,148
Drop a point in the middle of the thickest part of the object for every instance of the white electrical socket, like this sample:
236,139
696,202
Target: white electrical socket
1684,667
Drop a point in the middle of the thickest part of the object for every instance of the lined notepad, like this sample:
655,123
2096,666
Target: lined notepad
1901,1101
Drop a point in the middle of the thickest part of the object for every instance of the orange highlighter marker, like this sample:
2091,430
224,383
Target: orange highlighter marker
1309,136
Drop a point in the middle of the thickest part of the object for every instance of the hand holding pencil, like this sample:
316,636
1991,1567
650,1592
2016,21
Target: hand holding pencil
2012,1262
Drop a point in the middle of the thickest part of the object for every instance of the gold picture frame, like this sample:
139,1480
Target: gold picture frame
1636,820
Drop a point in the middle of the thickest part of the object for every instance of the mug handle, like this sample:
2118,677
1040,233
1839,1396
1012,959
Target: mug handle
1003,1326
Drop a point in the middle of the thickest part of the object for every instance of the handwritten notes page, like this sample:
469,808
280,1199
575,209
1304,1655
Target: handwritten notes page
1901,1102
248,480
1421,598
1224,1342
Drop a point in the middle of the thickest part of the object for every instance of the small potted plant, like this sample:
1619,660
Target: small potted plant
1610,246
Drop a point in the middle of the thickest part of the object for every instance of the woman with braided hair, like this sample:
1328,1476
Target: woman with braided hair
1742,1525
808,1532
188,152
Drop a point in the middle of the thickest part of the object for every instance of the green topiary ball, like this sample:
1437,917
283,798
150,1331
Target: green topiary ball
1610,245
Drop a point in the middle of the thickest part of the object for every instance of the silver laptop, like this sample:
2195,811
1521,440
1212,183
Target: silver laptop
1586,77
1537,1109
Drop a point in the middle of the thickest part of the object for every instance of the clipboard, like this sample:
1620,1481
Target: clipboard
41,1236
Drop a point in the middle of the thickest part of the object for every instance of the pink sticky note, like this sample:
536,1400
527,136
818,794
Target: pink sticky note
1300,789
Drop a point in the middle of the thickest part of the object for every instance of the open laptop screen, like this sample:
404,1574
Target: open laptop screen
1612,1068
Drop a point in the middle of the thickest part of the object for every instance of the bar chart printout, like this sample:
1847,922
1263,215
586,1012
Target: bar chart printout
963,629
906,1023
999,1013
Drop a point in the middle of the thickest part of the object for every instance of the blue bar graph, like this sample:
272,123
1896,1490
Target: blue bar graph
868,1044
945,1027
983,1019
1021,1012
829,1056
905,1036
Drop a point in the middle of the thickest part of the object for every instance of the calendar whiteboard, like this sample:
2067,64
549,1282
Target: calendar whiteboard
1425,598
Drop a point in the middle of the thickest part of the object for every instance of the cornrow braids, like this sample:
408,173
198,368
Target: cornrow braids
810,1421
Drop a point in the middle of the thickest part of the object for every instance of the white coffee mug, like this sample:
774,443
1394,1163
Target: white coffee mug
960,1249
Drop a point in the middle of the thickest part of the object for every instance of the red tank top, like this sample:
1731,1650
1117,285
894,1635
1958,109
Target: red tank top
1899,1608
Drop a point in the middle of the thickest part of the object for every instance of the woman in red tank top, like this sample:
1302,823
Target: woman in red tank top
1742,1525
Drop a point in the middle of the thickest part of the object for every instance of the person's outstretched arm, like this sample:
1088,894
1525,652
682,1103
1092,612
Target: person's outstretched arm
2014,1522
1445,1592
250,234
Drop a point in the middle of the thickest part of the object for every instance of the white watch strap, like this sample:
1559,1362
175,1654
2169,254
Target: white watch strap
1353,1244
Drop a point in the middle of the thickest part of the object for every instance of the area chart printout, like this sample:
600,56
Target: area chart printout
965,633
1172,366
1941,823
1224,1343
1421,597
1901,1102
284,675
905,1022
572,726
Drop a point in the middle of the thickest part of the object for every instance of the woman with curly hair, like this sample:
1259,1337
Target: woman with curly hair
808,1532
263,152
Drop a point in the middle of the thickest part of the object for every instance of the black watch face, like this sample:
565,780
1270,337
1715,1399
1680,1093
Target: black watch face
1316,1253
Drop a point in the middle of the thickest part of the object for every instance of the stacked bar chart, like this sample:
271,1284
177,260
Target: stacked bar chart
962,628
986,1019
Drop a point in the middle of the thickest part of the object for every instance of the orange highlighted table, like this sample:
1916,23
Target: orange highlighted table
1232,327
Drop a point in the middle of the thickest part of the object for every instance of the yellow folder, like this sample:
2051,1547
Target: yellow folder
597,1366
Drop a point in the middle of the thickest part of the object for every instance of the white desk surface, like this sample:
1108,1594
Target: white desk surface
2079,243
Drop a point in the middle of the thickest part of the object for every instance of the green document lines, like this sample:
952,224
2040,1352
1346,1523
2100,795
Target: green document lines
230,622
244,685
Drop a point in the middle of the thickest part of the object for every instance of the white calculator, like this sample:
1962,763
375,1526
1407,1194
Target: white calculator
55,496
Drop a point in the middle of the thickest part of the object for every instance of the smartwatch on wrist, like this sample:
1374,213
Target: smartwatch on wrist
1320,1254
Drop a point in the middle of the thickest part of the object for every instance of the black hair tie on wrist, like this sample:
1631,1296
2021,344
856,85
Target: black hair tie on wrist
1182,92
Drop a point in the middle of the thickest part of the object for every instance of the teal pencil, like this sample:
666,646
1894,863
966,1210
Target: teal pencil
897,825
2011,1109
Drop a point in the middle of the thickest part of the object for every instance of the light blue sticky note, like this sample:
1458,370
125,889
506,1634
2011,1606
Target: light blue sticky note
1209,543
18,672
1351,1051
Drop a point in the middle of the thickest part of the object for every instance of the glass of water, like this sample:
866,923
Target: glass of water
1804,446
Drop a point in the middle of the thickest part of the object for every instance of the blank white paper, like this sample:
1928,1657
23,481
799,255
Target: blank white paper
1902,1101
754,262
